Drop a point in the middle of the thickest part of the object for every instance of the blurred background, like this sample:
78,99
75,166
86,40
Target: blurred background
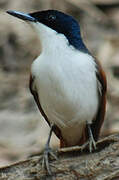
22,129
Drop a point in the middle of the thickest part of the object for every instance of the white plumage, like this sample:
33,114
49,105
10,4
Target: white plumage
65,80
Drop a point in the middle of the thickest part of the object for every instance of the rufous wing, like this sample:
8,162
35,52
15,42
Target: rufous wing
102,88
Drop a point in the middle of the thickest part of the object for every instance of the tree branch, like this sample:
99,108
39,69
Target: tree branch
103,164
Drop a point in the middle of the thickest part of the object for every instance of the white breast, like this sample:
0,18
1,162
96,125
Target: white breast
66,82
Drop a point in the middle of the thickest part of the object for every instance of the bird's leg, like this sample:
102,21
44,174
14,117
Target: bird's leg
91,142
48,151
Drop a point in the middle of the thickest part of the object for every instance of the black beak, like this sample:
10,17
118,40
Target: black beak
23,16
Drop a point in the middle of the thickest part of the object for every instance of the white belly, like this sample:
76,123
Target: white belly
67,91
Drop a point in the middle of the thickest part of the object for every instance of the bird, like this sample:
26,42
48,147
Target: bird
67,82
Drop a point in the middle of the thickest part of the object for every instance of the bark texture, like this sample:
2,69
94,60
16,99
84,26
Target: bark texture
103,164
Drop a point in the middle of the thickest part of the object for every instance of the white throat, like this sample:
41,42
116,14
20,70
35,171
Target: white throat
50,39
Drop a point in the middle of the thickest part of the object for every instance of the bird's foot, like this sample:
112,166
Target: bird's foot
45,162
90,143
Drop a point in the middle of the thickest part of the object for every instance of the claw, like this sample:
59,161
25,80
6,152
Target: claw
91,142
48,152
45,163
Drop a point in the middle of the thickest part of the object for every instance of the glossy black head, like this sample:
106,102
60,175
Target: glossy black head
58,21
62,23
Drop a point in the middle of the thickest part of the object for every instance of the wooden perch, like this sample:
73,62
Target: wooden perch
103,164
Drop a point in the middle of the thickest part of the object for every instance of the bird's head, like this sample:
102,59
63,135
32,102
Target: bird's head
51,23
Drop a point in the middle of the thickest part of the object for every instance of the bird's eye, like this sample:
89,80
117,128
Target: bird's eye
52,17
